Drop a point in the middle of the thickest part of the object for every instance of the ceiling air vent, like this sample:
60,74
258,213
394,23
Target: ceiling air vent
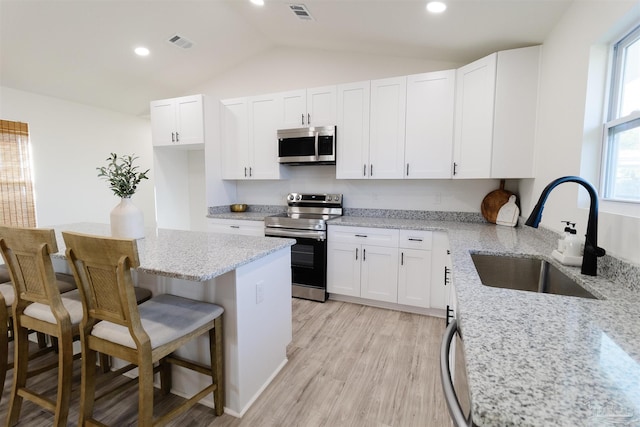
301,11
181,42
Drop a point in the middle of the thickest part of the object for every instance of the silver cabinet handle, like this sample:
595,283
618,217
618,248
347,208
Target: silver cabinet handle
413,239
407,169
173,137
364,170
356,254
250,171
308,118
371,170
177,137
364,255
245,171
302,118
455,166
455,410
361,235
234,226
401,258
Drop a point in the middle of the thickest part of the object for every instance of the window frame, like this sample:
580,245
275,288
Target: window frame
613,107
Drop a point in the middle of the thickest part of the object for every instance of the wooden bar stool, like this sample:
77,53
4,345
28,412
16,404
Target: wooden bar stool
39,306
65,283
141,335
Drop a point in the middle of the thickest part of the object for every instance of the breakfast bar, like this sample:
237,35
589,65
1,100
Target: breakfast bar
250,277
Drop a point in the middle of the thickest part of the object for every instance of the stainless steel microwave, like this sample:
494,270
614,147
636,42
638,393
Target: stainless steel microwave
312,145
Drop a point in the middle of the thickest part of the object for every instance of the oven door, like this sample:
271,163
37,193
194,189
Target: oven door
308,262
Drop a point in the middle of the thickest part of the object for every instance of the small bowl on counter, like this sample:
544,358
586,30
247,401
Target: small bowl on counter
238,207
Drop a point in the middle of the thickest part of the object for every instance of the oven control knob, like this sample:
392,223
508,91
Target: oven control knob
290,197
298,197
336,198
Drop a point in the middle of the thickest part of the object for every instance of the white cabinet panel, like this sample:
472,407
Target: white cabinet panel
343,268
235,138
294,109
322,106
352,142
387,129
475,92
441,270
429,125
379,280
414,277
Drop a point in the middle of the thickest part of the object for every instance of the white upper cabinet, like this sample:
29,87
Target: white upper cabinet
249,143
475,91
310,107
429,125
496,104
387,128
178,121
371,126
352,140
515,113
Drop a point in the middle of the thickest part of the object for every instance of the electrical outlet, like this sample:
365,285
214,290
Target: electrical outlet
259,292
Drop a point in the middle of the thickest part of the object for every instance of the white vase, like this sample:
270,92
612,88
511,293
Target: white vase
127,220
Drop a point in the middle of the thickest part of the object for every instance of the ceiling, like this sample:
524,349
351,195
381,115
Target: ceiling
81,50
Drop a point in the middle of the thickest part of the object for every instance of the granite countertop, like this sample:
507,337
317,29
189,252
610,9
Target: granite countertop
189,255
539,359
244,216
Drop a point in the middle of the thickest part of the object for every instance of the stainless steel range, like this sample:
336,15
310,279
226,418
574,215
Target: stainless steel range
306,221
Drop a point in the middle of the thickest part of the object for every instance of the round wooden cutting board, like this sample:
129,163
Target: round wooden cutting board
493,201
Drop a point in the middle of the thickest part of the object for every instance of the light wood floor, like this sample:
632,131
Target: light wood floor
349,365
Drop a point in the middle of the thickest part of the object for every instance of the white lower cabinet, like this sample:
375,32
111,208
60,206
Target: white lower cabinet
396,266
440,270
362,262
414,275
236,226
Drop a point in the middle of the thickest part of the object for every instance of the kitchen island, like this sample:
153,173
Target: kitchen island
540,359
250,277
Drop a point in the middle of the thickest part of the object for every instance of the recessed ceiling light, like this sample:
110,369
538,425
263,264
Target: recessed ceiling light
141,51
258,2
436,7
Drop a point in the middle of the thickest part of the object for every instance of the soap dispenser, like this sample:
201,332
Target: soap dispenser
572,243
567,232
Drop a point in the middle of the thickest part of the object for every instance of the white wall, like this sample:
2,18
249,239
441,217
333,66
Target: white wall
68,142
567,111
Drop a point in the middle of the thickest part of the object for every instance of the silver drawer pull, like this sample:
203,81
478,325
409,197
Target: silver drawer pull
361,235
234,226
411,239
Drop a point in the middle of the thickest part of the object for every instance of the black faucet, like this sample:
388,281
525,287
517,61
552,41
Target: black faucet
591,249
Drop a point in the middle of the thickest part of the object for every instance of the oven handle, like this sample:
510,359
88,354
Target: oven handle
307,234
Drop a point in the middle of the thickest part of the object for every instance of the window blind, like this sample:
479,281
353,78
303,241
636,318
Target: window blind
16,183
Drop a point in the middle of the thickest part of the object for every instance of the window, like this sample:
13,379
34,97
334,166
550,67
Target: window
16,184
621,159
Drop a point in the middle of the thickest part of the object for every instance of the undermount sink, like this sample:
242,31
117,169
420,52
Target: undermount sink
526,274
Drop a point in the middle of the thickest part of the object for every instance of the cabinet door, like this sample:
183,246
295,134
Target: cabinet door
379,268
515,113
263,142
387,130
294,109
163,122
414,278
475,92
441,270
352,140
321,106
343,269
235,138
429,130
190,120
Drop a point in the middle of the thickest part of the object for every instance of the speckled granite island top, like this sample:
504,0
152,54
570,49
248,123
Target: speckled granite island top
539,359
189,255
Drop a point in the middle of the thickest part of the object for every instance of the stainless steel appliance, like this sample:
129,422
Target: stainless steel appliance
454,378
311,145
306,222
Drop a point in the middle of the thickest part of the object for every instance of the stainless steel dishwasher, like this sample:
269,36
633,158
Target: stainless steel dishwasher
454,381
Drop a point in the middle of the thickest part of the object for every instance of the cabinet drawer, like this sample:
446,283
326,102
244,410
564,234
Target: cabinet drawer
236,226
363,235
416,239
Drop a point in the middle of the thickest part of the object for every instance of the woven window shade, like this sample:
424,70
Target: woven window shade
16,183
